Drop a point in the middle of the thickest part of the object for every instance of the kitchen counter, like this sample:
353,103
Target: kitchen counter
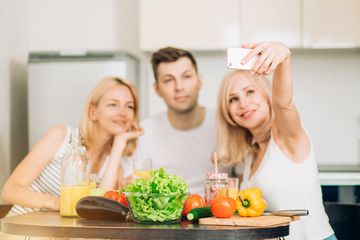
339,175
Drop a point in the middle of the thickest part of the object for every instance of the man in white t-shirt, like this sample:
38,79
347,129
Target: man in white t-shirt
183,138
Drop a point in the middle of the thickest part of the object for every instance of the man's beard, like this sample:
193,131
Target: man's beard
187,110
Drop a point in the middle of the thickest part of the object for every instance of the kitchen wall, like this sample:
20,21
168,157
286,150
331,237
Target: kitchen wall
13,111
327,85
326,82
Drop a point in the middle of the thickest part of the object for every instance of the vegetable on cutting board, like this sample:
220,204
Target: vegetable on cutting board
200,212
249,202
223,207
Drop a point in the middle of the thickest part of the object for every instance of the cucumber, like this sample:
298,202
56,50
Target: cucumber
199,212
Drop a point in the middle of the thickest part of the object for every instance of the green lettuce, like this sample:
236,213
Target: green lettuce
159,199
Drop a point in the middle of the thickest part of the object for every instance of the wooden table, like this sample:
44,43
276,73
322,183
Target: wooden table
51,224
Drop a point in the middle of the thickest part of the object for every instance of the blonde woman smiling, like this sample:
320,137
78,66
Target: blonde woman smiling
259,130
110,127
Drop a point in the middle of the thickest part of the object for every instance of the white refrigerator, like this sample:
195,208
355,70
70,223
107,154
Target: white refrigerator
60,82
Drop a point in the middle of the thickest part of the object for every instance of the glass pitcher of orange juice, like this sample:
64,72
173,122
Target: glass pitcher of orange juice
75,175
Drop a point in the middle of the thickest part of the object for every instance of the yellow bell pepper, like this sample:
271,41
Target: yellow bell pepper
249,202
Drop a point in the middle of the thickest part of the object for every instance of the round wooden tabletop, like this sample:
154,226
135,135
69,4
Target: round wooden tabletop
51,224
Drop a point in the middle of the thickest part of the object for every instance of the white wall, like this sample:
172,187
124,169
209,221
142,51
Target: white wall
4,95
327,87
13,58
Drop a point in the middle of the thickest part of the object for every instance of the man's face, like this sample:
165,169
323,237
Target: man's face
179,85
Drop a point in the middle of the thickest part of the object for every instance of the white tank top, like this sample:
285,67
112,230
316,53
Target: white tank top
287,185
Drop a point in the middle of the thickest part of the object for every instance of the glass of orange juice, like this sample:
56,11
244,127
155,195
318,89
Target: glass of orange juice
233,187
142,166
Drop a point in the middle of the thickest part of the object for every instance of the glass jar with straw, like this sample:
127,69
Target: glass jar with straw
216,184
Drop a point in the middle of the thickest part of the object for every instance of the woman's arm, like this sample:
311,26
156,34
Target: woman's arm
16,189
287,130
113,175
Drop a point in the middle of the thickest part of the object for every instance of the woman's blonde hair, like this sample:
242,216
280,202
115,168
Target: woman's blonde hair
234,140
87,126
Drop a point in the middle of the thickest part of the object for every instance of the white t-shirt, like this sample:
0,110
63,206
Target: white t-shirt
287,185
184,153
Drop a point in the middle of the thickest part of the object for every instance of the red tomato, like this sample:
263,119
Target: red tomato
111,194
193,201
223,207
121,199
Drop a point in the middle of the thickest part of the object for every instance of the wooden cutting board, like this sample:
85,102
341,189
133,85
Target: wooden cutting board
236,220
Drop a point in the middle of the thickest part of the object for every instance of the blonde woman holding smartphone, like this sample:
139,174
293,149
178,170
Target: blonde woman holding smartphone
260,132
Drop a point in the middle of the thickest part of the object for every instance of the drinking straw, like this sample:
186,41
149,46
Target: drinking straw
215,162
217,191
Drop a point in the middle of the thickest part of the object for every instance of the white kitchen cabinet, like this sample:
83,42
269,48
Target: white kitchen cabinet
82,24
331,23
276,20
189,24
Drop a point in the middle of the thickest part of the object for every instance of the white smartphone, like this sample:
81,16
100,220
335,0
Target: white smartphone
236,55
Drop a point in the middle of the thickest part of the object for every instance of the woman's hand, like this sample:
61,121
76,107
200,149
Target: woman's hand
128,180
53,203
134,132
120,141
113,177
271,54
